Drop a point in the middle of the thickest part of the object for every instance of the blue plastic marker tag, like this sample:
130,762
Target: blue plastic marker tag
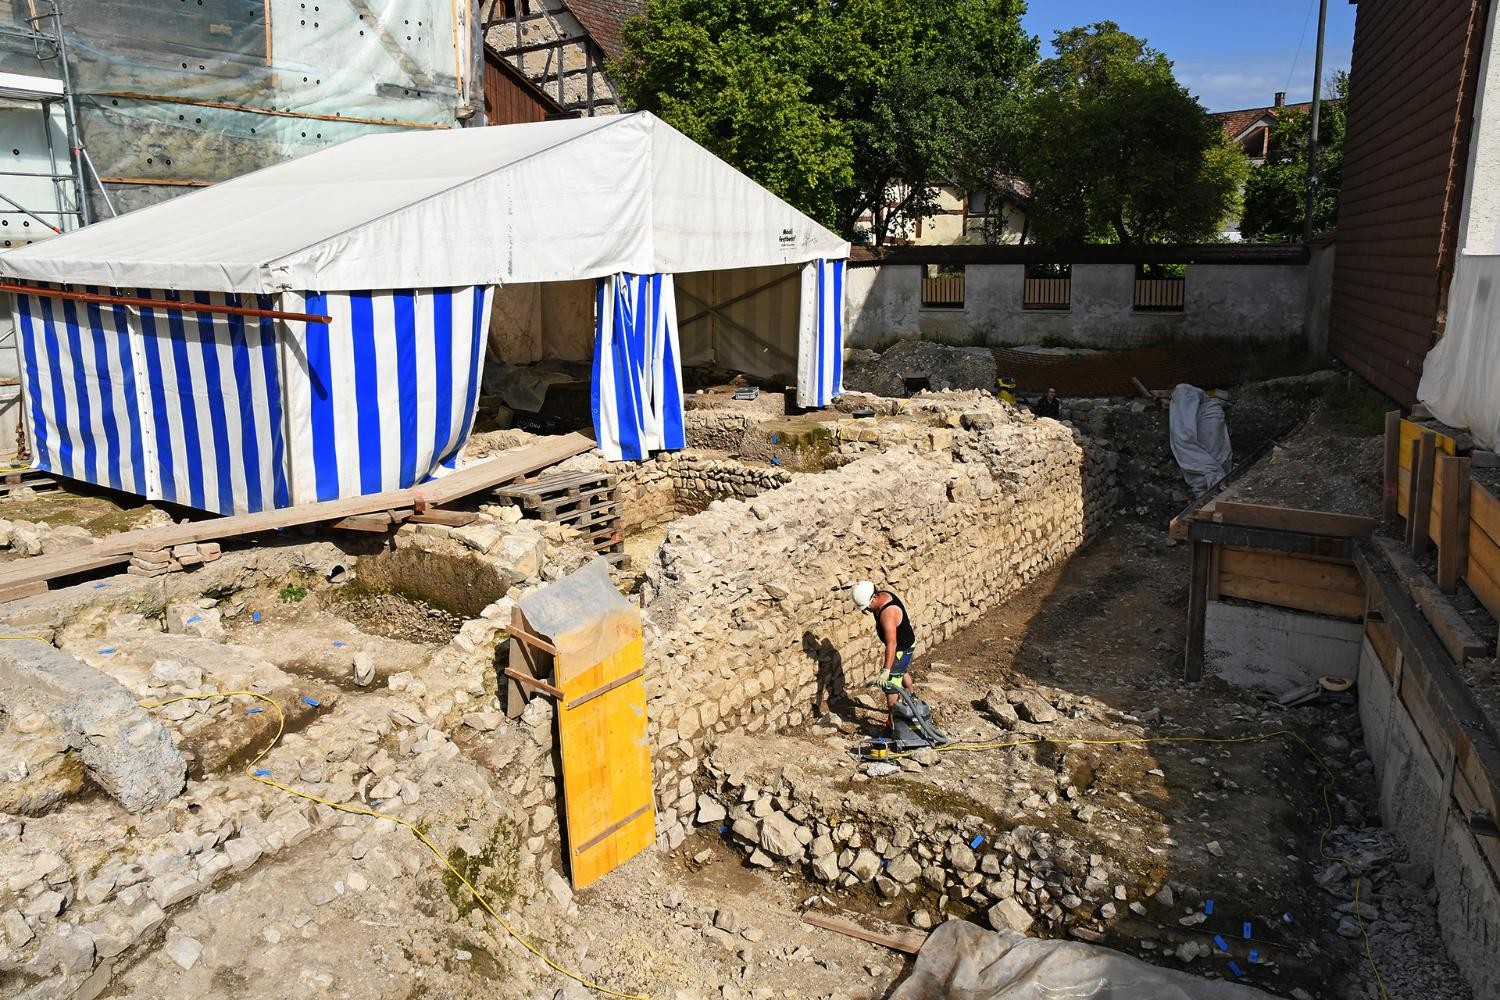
107,650
194,620
1254,955
255,616
775,460
974,844
1208,907
311,701
1235,968
254,711
1286,918
261,772
100,586
1219,943
1247,930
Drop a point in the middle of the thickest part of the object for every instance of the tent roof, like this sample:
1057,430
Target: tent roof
549,201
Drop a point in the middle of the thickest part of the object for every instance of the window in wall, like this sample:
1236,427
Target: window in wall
1048,286
942,286
1160,287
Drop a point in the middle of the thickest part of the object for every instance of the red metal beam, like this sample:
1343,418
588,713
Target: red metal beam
122,300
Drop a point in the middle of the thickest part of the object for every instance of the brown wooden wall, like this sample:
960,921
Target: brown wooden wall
511,99
1404,160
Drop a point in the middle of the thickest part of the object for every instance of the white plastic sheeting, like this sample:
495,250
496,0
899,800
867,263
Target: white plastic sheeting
1461,375
962,961
1200,438
549,201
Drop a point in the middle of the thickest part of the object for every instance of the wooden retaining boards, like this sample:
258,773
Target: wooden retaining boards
1410,432
31,576
1452,630
1451,723
1482,562
1291,581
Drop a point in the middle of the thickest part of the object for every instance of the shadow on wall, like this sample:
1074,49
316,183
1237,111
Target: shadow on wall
833,693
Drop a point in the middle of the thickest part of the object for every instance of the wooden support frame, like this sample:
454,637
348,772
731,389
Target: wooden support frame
1453,545
1457,637
531,659
1390,496
164,305
1415,449
1421,511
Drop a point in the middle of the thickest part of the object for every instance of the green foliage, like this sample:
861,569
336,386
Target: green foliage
841,109
1275,195
1116,150
292,593
1356,407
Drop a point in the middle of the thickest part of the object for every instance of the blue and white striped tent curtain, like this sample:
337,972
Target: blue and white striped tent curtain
820,341
637,388
385,394
223,414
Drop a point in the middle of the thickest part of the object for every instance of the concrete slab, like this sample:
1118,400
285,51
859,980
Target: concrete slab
127,752
1254,645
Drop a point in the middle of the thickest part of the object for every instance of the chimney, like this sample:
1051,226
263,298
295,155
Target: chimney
1281,98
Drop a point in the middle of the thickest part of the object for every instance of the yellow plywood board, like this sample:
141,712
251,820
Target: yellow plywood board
1410,432
606,759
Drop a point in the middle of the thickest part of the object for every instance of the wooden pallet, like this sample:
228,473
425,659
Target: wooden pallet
588,501
38,480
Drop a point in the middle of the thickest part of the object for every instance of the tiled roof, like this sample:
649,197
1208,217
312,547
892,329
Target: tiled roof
1234,123
602,19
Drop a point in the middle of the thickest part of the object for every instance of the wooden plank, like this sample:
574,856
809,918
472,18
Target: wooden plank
1453,537
584,699
382,521
1421,516
1309,522
1311,546
1452,630
451,518
115,549
1289,595
1197,611
1484,509
1389,503
517,632
1384,641
606,753
1215,557
533,683
1409,488
1439,484
1278,567
1411,432
906,942
1483,572
526,662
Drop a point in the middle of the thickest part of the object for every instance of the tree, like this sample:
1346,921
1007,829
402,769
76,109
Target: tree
1276,193
1116,150
843,109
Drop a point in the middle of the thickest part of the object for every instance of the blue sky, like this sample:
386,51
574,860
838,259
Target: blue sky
1230,53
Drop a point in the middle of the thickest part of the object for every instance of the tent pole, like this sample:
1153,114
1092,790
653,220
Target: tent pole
122,300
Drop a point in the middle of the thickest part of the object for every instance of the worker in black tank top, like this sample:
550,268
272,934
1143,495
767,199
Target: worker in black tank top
894,629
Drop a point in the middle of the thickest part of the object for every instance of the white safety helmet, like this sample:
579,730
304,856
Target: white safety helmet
864,593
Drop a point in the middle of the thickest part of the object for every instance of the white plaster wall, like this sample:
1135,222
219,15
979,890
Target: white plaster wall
1222,302
1479,230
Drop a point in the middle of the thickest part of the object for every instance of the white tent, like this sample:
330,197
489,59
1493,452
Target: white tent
388,249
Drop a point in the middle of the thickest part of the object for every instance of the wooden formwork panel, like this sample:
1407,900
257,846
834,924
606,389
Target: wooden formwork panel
1291,581
606,761
1410,432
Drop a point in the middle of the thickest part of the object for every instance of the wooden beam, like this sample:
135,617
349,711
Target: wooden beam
1411,486
906,942
1313,546
1197,611
527,681
1308,522
451,518
516,632
1453,545
1390,496
20,578
384,520
1421,514
1457,637
1484,509
1298,597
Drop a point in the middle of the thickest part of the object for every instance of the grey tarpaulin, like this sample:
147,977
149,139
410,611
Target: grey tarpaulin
1200,438
962,961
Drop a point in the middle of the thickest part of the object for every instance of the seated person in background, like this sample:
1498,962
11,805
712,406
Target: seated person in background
1048,405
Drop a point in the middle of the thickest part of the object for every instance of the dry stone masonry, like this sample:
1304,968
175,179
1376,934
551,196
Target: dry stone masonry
956,504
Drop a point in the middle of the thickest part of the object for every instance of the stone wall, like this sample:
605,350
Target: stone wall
749,618
676,483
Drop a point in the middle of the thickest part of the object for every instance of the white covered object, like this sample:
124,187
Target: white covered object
962,961
547,201
1200,438
1461,375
